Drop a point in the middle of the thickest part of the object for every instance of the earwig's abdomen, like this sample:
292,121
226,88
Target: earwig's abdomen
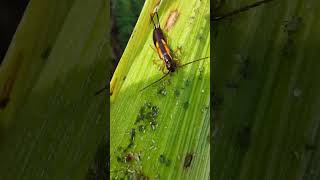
157,36
163,50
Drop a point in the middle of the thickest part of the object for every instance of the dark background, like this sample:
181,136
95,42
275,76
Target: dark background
122,25
11,12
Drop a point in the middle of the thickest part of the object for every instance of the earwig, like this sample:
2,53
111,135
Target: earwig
164,51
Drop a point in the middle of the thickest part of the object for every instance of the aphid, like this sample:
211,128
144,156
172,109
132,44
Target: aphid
129,157
163,50
164,160
242,9
188,160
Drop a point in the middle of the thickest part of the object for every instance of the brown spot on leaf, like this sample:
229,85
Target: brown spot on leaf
172,19
6,90
113,85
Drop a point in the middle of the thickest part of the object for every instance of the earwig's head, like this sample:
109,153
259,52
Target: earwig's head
171,66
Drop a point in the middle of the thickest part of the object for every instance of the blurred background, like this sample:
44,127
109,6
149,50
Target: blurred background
124,15
122,24
11,12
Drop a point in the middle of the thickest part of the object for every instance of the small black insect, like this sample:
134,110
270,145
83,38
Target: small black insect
188,160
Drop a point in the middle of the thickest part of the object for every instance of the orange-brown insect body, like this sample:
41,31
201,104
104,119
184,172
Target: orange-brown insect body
164,51
161,45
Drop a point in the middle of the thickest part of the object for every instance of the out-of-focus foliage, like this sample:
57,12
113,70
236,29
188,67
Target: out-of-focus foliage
266,94
50,121
125,14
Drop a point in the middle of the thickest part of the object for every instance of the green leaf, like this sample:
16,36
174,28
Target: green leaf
51,122
163,131
266,78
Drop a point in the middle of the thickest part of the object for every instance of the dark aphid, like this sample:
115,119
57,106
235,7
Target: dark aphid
163,49
132,134
244,136
46,52
141,176
147,115
132,138
188,160
310,147
292,25
164,160
237,11
186,105
129,157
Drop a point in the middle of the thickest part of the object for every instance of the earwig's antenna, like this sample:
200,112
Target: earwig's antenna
193,61
242,9
155,81
169,72
101,90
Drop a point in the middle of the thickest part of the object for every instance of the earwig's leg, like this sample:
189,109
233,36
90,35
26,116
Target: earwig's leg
163,69
177,54
178,62
153,49
178,50
160,64
157,62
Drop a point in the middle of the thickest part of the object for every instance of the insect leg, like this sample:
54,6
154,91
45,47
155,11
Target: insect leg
160,64
153,48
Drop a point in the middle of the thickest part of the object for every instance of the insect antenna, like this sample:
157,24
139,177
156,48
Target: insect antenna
101,90
193,61
242,9
155,81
